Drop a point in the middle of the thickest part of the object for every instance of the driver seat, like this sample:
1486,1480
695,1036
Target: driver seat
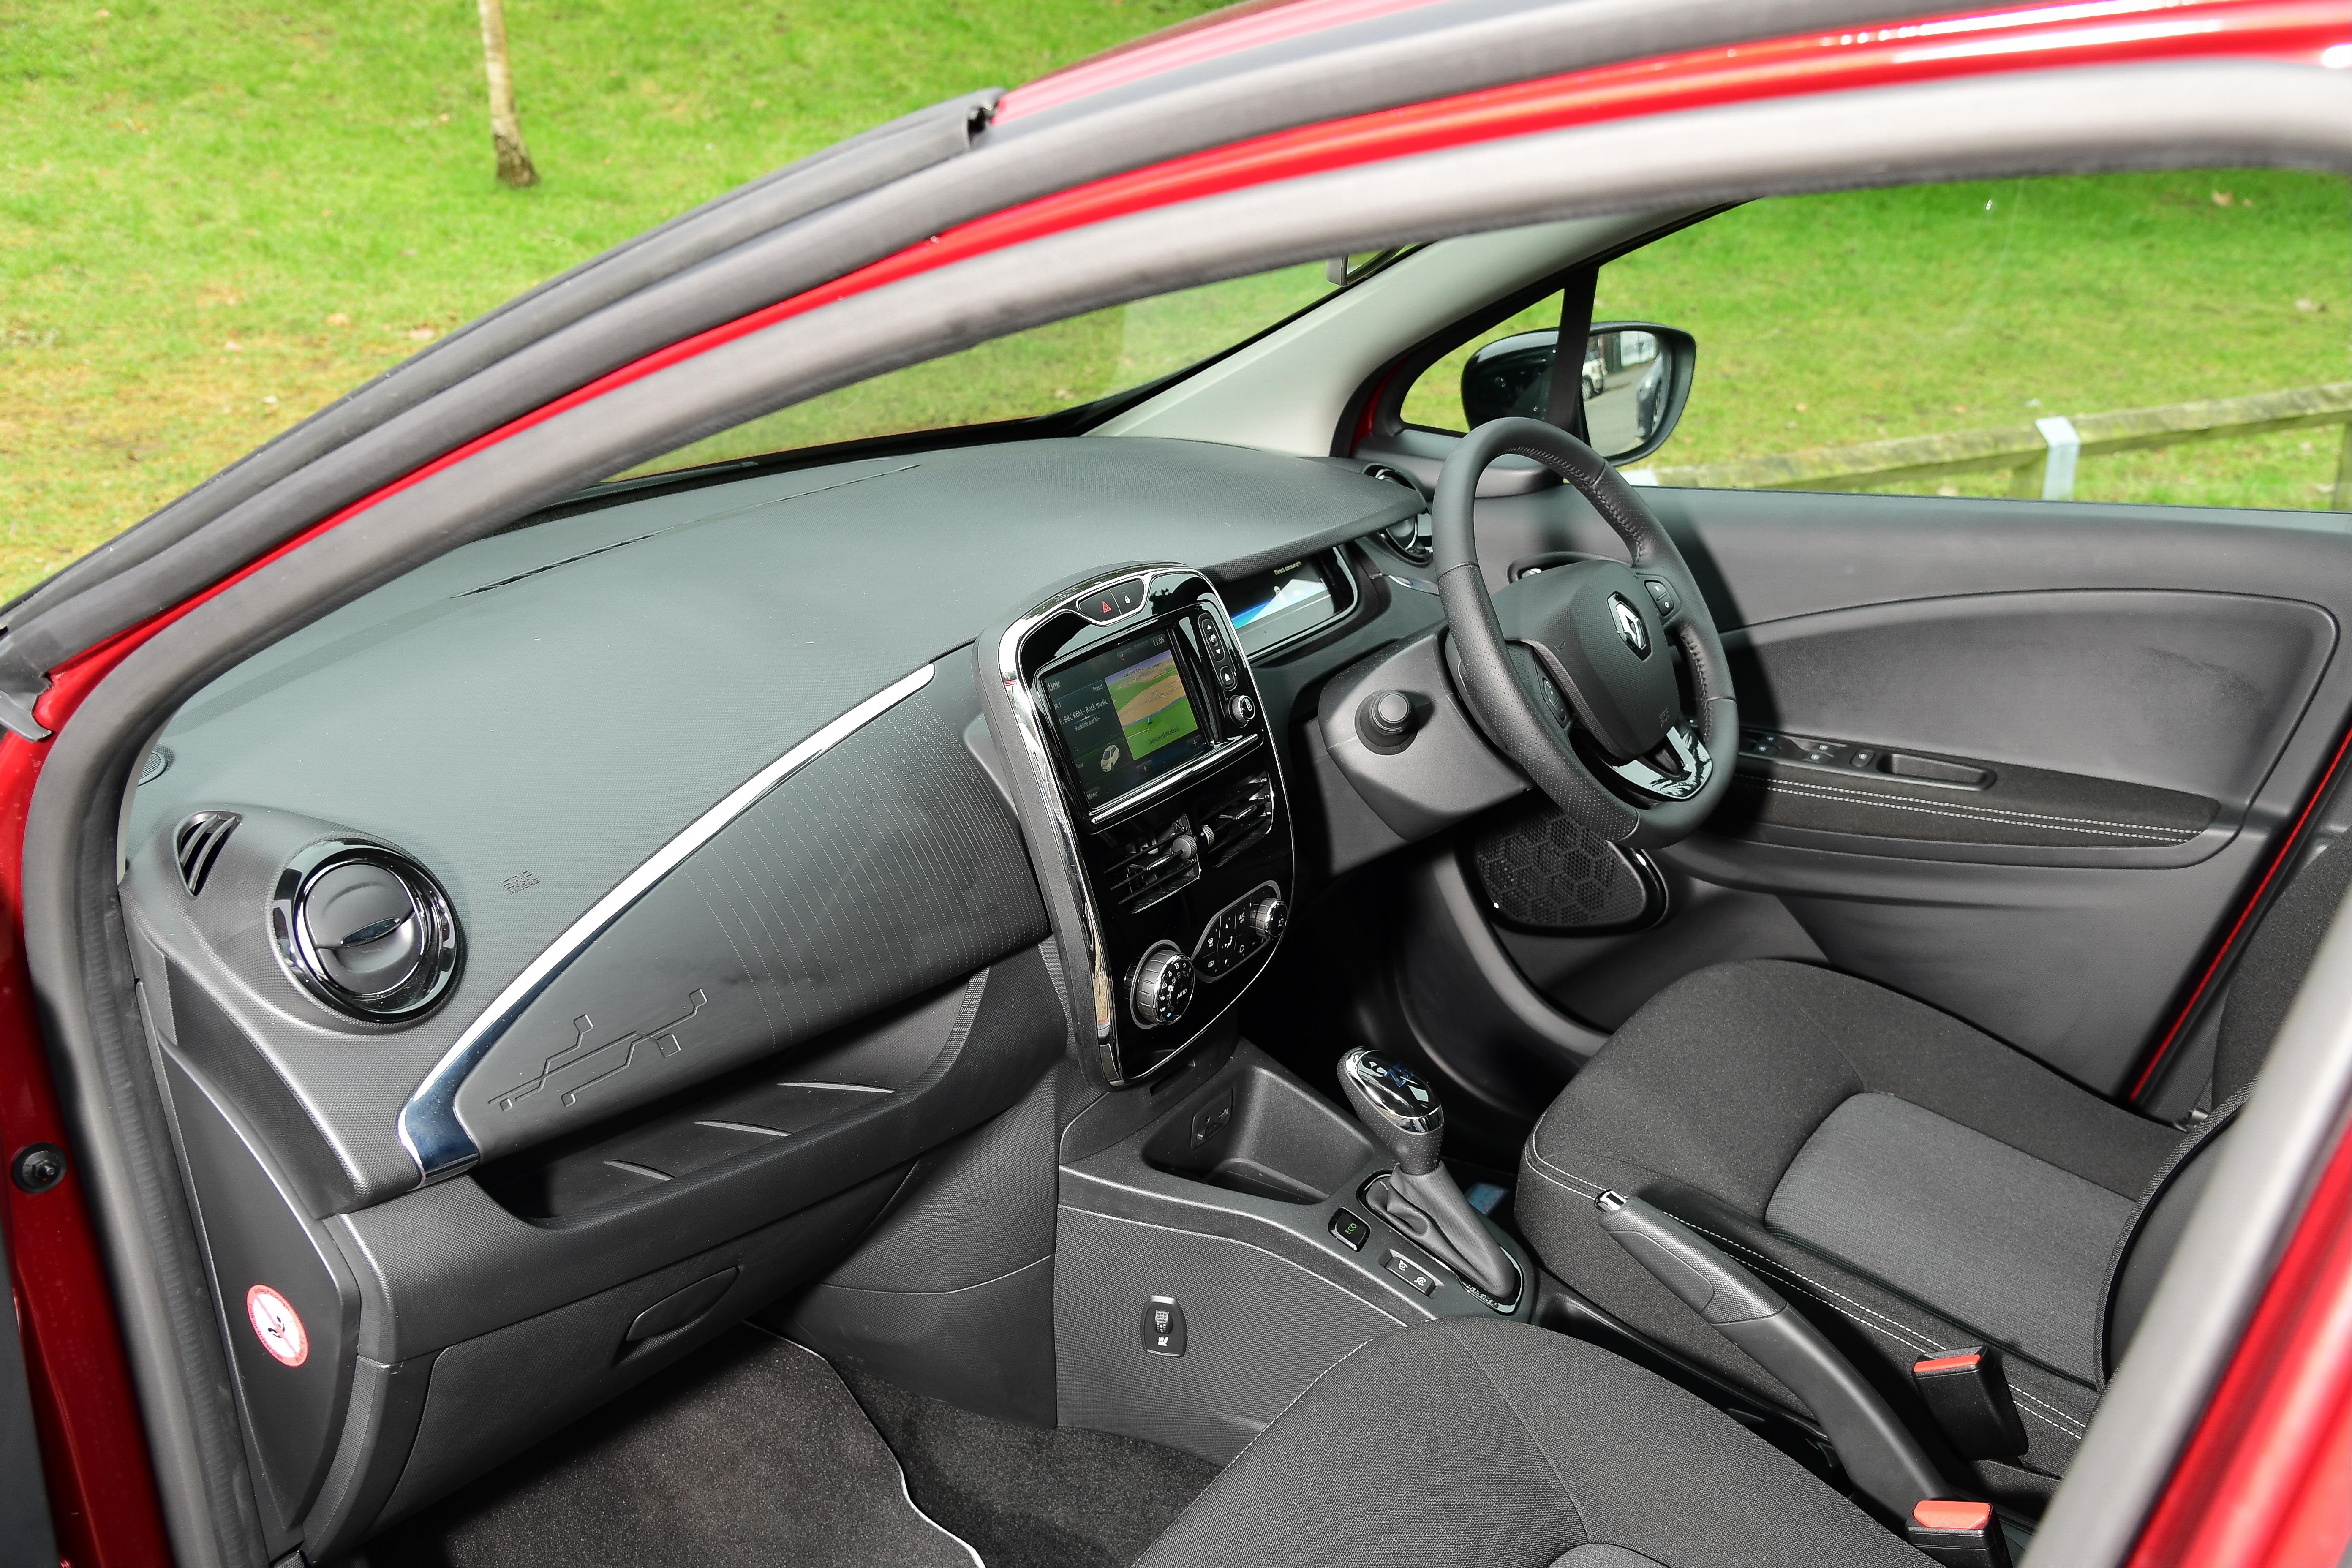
1912,1186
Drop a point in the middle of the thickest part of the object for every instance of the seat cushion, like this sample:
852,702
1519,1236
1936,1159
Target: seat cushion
1479,1442
1991,1237
1914,1184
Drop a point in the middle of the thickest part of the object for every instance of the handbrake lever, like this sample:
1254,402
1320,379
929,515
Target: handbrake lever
1877,1450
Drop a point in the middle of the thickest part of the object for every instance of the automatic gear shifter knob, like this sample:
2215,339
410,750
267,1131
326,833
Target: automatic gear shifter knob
1397,1107
1419,1197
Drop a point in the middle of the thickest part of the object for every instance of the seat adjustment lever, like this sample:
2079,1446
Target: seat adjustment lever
1880,1454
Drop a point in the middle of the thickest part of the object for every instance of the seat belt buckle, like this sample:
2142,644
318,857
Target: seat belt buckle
1969,1395
1957,1534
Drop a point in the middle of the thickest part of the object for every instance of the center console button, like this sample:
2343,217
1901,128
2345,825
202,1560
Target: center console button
1162,988
1412,1273
1242,708
1350,1230
1163,1326
1264,916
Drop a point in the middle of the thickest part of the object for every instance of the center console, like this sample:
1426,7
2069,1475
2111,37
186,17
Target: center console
1155,771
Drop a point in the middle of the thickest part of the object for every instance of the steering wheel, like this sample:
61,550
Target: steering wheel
1572,680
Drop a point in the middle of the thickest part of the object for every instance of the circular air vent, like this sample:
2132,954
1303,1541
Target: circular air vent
1414,537
365,930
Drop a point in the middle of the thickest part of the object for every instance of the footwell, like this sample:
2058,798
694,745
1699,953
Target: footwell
751,1451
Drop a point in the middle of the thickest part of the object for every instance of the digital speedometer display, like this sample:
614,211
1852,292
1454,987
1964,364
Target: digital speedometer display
1275,606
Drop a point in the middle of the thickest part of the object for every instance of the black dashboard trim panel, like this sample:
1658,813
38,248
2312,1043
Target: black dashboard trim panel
454,1262
430,1127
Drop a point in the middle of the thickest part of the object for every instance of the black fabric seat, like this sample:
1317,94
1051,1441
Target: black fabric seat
1912,1185
1471,1442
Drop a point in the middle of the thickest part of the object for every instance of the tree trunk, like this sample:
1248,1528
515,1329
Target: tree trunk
505,126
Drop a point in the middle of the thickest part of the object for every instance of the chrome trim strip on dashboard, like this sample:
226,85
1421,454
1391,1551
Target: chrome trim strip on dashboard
1068,864
429,1126
1223,752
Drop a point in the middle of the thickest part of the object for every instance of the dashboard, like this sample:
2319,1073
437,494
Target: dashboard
604,917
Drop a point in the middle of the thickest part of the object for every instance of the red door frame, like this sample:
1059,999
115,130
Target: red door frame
101,1485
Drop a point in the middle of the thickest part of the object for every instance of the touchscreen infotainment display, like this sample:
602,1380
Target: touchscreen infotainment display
1126,716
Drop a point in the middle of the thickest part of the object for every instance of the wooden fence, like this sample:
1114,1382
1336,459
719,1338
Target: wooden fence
2040,457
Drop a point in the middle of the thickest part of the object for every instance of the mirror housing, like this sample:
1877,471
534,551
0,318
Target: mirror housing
1636,381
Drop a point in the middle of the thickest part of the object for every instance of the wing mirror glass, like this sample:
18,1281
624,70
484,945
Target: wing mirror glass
1636,377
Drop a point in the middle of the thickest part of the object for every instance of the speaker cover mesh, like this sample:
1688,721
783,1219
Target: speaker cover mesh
1539,867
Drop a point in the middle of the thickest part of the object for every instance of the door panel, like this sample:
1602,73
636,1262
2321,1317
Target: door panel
2192,693
2144,658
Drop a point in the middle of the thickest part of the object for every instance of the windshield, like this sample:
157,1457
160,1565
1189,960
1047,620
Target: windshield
1045,370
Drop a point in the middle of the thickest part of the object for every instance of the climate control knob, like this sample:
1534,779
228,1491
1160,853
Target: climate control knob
1264,916
1162,986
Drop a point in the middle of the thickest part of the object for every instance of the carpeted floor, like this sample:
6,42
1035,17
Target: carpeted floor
1026,1495
751,1451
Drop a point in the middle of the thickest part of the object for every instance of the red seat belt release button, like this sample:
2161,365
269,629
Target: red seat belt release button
1957,1534
1969,1395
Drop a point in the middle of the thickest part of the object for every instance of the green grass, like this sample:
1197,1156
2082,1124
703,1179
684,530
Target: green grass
217,218
1824,321
214,218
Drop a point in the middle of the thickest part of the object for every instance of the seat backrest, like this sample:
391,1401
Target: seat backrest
2276,957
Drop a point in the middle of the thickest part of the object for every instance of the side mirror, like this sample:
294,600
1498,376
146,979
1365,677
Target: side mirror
1636,378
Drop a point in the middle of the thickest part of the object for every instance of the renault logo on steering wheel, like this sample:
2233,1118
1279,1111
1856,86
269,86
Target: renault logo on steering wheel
1629,624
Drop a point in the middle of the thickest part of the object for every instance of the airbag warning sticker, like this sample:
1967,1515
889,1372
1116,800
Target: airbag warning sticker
277,1324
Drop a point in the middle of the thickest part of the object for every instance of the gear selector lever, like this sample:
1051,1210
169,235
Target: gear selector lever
1403,1114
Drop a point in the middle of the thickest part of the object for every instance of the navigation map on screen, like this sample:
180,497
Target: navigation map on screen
1126,716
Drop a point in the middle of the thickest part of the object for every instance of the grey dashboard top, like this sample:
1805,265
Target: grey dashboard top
534,714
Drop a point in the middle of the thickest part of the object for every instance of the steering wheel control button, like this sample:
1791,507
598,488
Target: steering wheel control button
1163,1326
1412,1273
1662,595
1162,987
1350,1229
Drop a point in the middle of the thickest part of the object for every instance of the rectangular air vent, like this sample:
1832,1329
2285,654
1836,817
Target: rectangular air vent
197,845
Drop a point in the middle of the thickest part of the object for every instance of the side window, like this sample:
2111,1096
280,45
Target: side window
2163,338
1434,399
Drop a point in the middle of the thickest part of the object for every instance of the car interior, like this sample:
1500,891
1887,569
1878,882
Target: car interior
1230,931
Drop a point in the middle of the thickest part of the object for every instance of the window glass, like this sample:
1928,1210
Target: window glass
1043,371
2191,328
1434,399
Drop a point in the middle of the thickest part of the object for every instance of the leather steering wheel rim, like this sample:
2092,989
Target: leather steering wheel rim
1499,701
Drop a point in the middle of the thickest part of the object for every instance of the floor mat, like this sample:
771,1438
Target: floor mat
1026,1495
751,1451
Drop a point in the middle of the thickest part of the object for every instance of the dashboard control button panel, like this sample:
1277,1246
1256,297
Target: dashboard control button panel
1240,930
1167,805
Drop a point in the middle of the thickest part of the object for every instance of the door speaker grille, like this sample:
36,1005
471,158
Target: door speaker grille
197,845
